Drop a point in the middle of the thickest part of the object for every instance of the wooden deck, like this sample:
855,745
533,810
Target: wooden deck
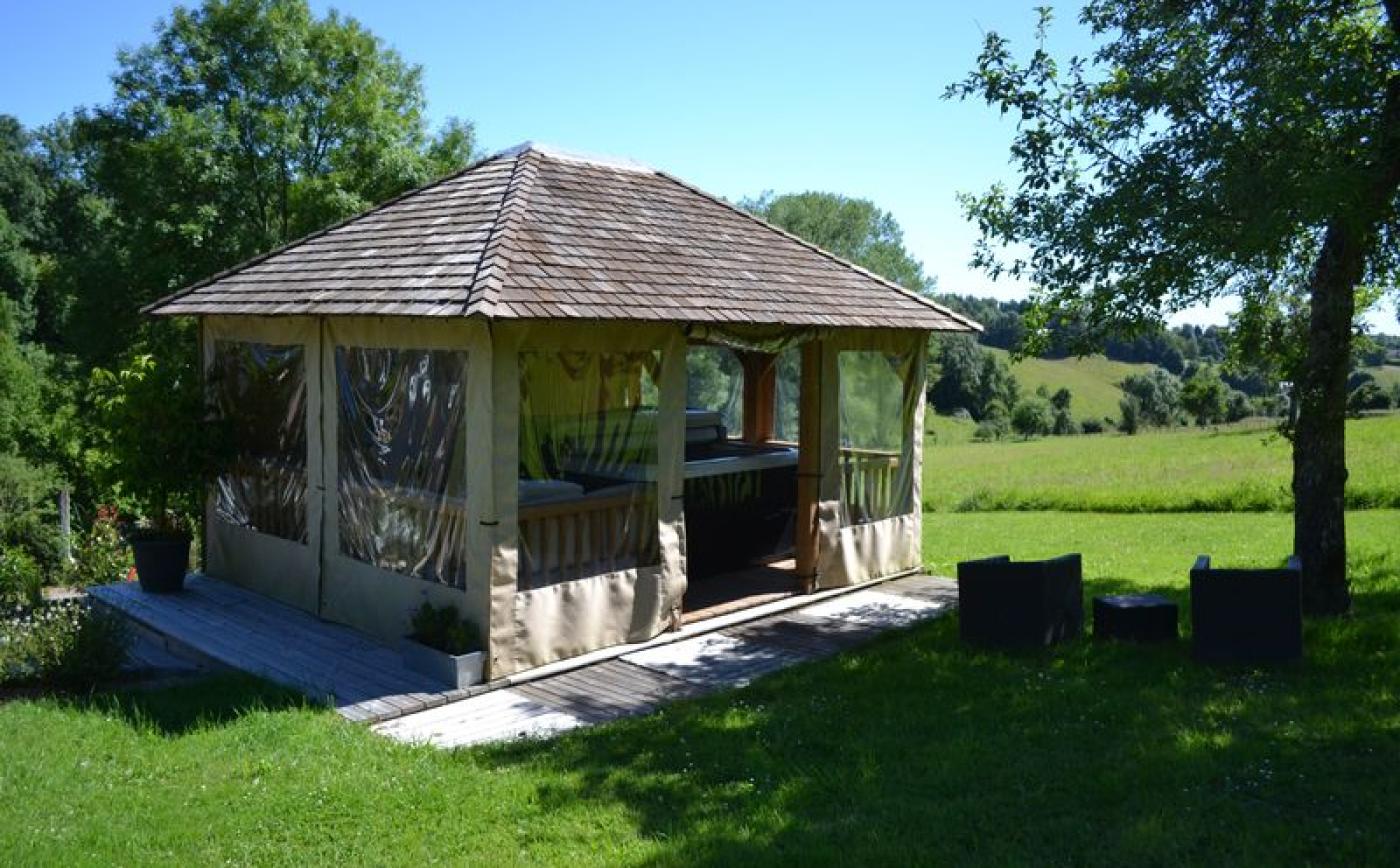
218,622
365,680
712,596
638,681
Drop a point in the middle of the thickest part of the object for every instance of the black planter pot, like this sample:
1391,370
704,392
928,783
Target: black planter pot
161,563
1246,616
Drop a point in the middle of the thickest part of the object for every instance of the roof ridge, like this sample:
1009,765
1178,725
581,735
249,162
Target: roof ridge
826,253
296,242
485,285
568,155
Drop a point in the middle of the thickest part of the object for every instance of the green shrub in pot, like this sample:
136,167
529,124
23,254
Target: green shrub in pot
164,444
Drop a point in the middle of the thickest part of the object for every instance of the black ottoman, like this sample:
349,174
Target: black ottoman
1135,617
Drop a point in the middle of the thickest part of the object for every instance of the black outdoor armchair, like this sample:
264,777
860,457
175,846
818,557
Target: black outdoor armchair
1006,604
1246,616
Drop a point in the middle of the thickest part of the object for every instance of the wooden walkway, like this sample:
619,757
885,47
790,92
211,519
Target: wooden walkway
365,681
639,681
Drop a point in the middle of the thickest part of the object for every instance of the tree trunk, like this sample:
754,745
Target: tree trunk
1319,445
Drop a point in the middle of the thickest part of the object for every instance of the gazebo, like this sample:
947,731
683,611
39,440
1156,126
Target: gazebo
576,398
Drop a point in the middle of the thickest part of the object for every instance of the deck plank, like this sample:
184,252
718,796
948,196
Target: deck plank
246,631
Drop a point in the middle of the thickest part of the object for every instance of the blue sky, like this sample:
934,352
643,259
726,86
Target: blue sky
737,98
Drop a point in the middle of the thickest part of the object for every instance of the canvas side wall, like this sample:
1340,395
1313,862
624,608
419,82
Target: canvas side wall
873,529
407,444
570,570
413,534
263,516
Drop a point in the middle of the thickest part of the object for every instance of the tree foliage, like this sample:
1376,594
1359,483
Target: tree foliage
967,377
1204,396
1206,149
163,436
243,125
240,126
1031,418
854,229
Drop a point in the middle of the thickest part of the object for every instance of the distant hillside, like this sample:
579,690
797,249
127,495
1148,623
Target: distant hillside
1092,380
1387,376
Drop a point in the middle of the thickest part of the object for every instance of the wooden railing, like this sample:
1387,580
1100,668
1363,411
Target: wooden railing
428,534
586,536
267,497
871,488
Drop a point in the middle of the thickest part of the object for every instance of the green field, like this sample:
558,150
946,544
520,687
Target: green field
1093,381
946,430
1387,376
1244,468
1142,549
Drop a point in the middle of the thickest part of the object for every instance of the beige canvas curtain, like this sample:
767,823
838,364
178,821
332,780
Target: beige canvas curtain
869,516
589,427
876,414
407,435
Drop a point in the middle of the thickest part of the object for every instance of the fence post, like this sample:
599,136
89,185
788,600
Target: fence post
65,523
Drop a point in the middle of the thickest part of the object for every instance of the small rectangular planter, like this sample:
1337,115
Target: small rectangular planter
1246,616
1002,604
453,670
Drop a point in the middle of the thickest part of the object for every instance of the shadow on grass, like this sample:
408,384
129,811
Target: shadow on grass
919,749
179,708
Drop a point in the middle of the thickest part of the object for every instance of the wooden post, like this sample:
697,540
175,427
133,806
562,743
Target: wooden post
809,465
65,523
760,389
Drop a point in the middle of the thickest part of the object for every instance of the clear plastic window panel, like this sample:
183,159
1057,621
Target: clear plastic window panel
787,388
588,461
877,415
714,381
402,460
261,390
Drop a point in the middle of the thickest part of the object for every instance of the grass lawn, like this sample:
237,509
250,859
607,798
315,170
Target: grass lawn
948,430
1236,468
914,749
1093,381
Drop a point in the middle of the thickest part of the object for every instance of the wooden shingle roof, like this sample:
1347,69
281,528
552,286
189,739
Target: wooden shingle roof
535,234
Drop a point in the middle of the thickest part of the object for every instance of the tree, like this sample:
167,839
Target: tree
1204,395
1129,414
995,424
244,125
1158,396
165,438
1031,418
958,376
22,202
996,385
1237,406
1212,148
1368,396
853,229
